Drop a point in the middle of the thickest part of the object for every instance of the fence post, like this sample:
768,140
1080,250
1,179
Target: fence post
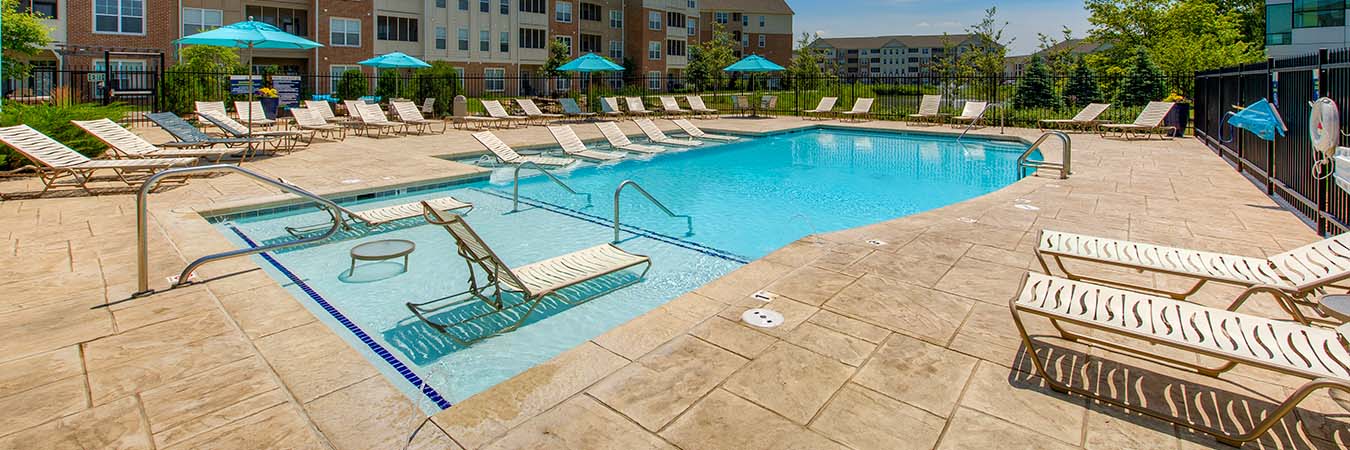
1321,184
1271,93
107,76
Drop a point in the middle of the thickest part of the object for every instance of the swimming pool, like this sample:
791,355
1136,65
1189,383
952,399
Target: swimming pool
745,199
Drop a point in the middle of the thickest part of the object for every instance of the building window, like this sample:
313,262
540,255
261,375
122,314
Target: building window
335,74
654,50
693,26
745,40
45,8
462,39
494,80
506,7
616,50
532,38
654,20
532,6
615,19
590,43
119,16
484,5
720,17
563,12
484,41
504,44
197,20
1279,24
761,21
293,21
693,4
1319,13
463,5
761,43
562,84
344,32
396,29
566,40
654,80
590,11
675,48
675,20
441,37
745,20
440,3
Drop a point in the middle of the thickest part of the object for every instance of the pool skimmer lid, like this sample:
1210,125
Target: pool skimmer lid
765,296
762,318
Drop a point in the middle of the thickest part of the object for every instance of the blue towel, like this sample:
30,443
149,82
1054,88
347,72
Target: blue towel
1259,118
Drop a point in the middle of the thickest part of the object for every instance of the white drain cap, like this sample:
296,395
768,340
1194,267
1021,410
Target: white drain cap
1027,207
762,318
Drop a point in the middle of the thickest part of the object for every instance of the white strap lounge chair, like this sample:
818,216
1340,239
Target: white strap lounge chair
672,107
929,106
375,217
326,110
506,155
408,113
862,110
617,139
824,109
695,133
311,120
572,145
533,282
55,161
252,113
210,107
609,106
280,140
1084,120
429,107
636,107
1292,277
697,107
572,109
496,110
1147,124
972,113
1317,355
655,134
368,119
125,144
532,111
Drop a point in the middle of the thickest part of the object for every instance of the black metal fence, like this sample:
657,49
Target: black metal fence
1283,166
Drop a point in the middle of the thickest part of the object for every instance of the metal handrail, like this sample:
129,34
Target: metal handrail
515,191
689,221
979,117
142,226
1063,167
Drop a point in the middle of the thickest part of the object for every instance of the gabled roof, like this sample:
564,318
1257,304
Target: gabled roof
916,41
747,6
1074,46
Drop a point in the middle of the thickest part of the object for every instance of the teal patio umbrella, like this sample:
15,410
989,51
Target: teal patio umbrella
754,64
588,64
249,34
395,60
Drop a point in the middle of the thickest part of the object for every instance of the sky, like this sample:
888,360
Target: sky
1026,18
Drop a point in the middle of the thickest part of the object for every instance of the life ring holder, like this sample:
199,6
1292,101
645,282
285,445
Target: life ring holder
1324,130
1232,131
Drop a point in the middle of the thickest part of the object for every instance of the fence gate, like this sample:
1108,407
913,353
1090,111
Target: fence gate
135,84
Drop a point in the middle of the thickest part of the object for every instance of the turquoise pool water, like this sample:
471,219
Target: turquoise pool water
745,198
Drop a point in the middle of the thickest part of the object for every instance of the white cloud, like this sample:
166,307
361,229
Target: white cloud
923,25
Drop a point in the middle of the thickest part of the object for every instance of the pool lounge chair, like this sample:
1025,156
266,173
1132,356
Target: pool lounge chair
697,107
740,105
636,107
280,140
824,109
572,145
533,282
189,136
573,110
252,113
374,217
1317,355
1292,278
768,104
655,134
617,139
1084,120
367,120
695,133
609,106
972,113
929,110
496,110
54,161
532,111
122,143
862,110
408,113
671,107
210,107
310,120
325,110
1147,124
507,155
429,107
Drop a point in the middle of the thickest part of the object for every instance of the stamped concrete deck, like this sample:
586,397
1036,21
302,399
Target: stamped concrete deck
903,345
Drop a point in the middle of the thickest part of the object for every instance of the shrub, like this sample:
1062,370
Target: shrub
1036,89
441,82
1082,88
54,121
1143,83
387,85
352,85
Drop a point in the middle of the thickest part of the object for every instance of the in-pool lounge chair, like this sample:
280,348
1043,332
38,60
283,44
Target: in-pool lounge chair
408,113
971,114
609,106
672,107
655,134
1292,277
929,106
572,145
252,113
862,110
122,143
507,155
368,119
189,136
1317,355
531,283
374,217
695,133
280,140
1084,120
1147,124
824,109
54,161
573,110
310,120
532,111
617,139
697,107
496,110
636,107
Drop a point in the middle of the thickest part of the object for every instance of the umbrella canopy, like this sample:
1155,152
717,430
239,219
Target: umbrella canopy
249,34
590,62
754,63
395,60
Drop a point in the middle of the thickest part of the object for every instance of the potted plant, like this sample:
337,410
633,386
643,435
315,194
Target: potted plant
1180,115
269,99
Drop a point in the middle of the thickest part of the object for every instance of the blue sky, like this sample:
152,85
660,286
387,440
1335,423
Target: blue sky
881,17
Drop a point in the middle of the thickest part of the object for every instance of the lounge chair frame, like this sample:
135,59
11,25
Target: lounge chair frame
862,110
671,107
972,115
636,107
572,110
617,139
280,140
1084,121
310,120
698,108
122,143
189,136
930,111
411,116
495,109
573,146
655,134
609,106
533,112
504,154
1149,123
824,110
55,161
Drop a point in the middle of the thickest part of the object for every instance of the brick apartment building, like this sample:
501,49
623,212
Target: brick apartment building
890,55
762,27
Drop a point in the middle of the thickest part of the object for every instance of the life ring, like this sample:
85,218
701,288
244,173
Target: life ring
1324,126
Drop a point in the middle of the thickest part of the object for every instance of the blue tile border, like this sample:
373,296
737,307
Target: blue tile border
402,369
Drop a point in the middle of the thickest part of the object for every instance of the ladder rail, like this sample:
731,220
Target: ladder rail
515,191
1024,161
689,221
142,224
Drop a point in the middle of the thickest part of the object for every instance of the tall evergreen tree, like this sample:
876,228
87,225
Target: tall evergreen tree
1144,82
1082,88
1036,89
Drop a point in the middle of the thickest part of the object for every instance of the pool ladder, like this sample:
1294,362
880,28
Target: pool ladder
689,221
1024,162
515,191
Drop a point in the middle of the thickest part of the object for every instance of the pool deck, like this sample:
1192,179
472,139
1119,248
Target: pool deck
905,344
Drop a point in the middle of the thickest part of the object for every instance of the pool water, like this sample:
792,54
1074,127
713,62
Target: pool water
745,199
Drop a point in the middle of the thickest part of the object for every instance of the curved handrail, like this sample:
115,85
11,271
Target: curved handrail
142,227
1063,167
515,191
689,221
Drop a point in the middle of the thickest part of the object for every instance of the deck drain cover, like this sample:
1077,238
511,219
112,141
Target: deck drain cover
966,219
876,242
351,181
765,296
1021,201
1027,207
762,317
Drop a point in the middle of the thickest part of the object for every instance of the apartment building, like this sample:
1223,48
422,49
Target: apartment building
762,27
890,55
1016,64
1299,27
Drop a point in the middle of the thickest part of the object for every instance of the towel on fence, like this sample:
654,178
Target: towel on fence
1260,118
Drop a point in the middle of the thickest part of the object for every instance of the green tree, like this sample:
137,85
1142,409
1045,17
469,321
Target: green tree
386,86
1058,53
1143,83
987,53
558,54
440,81
1182,36
23,34
809,65
1082,87
709,57
352,85
948,65
199,74
1036,88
